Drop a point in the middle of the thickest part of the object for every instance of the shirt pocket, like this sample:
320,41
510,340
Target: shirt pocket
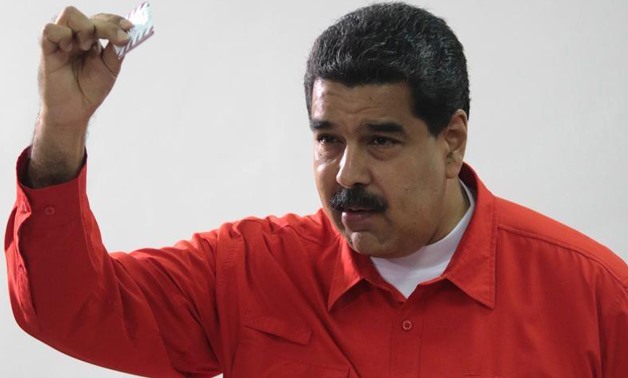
272,347
278,328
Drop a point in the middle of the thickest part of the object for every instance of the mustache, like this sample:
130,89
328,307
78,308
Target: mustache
358,198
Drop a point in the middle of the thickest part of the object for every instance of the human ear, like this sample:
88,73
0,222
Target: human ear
455,137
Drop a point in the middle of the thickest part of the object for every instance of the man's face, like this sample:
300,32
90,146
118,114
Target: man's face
382,177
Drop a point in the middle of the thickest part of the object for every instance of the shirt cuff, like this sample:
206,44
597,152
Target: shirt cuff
50,199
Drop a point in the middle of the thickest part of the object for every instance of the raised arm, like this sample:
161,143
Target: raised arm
150,312
75,76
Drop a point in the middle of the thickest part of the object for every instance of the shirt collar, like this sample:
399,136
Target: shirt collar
472,268
351,267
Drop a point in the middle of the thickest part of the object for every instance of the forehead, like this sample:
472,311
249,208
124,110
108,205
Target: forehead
331,100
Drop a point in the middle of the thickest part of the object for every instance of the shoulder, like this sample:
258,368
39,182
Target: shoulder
268,251
556,241
314,228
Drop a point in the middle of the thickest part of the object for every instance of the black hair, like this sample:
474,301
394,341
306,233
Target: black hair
395,42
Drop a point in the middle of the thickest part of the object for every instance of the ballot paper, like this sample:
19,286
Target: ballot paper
142,29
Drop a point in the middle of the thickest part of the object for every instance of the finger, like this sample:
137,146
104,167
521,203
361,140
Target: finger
82,27
110,59
114,32
54,37
114,19
96,50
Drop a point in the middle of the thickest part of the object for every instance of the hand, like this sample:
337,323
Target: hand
76,74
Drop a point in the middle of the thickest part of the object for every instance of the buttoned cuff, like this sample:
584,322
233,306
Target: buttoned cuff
51,200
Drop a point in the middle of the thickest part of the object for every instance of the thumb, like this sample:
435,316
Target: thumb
110,59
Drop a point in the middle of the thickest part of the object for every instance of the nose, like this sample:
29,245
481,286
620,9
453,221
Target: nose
353,168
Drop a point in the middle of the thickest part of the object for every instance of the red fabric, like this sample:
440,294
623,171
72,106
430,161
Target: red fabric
285,297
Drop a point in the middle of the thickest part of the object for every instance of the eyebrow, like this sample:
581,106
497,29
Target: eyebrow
378,127
386,127
316,124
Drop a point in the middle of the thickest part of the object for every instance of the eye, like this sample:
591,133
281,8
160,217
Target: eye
327,139
382,141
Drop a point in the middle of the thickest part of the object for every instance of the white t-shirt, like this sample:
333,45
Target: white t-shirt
429,262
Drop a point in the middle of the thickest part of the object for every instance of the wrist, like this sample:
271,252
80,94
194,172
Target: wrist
56,155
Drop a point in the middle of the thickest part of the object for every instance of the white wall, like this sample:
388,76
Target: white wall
207,122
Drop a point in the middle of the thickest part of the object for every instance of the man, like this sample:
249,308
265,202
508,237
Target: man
412,268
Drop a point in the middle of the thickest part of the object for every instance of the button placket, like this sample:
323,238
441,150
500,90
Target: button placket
406,340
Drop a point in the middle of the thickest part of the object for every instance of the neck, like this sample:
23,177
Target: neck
457,204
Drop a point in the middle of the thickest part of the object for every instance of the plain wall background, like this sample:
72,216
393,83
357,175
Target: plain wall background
207,122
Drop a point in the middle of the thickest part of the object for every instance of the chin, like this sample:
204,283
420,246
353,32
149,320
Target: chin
365,243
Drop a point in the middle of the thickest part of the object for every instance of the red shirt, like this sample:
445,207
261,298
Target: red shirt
523,296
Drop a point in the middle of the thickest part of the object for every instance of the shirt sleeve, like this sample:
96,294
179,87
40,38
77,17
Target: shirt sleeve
614,326
150,312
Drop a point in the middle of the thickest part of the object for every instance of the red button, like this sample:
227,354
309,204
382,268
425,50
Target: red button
406,325
49,210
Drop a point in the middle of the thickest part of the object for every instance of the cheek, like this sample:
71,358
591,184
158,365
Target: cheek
323,159
413,191
411,200
325,176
